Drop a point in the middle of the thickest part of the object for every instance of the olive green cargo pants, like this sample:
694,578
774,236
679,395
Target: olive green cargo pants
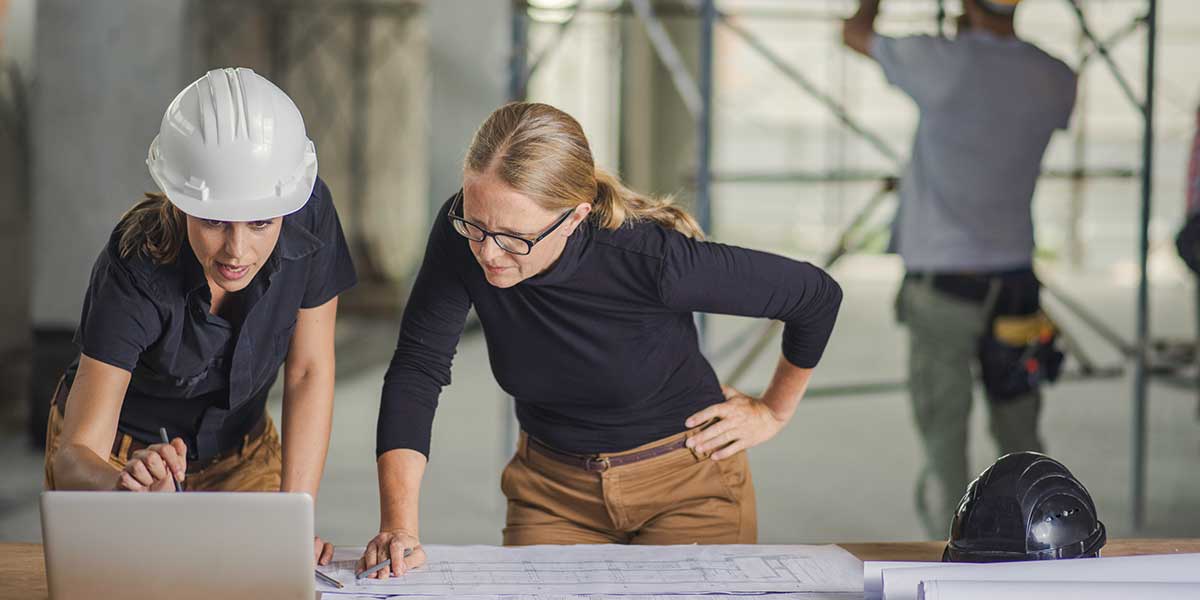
944,333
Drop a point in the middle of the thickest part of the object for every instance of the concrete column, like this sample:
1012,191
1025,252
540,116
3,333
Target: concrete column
106,70
17,33
16,57
658,133
469,49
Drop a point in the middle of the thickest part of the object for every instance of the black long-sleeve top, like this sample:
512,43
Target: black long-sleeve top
600,351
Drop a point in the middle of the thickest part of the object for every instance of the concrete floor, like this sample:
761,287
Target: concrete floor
841,471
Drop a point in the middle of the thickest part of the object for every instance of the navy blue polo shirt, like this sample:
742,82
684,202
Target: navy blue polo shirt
203,377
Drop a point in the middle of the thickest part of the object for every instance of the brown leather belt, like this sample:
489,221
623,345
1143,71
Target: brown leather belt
596,463
193,466
60,400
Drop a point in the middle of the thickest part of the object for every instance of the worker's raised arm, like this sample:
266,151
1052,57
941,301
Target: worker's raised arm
858,30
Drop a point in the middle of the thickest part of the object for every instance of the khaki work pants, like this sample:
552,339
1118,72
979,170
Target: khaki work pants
677,498
256,467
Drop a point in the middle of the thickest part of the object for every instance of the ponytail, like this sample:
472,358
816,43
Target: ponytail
153,227
541,152
616,205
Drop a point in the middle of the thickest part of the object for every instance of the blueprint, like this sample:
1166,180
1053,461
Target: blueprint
764,595
545,572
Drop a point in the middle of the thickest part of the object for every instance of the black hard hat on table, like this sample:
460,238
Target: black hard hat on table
1026,506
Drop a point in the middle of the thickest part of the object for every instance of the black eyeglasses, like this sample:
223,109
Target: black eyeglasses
507,242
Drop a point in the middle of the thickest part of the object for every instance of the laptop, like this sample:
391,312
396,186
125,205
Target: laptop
186,546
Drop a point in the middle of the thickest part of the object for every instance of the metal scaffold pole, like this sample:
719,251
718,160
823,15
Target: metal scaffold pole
1140,382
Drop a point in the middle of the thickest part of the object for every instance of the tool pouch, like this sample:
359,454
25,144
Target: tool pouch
1018,354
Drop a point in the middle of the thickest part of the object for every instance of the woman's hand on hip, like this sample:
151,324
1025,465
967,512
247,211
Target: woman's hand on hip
741,422
155,468
390,545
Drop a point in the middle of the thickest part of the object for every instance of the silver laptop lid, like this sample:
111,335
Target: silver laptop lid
179,546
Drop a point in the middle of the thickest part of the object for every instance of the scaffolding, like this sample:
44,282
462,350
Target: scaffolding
696,92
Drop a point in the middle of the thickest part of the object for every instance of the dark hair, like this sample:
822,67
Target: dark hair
154,228
995,11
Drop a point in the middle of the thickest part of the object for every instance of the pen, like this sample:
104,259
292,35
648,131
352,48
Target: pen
387,562
162,432
329,580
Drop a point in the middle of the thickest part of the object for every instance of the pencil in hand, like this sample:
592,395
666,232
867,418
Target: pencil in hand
162,433
328,580
387,562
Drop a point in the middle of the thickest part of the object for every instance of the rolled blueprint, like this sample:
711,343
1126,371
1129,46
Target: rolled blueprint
1056,590
901,583
873,574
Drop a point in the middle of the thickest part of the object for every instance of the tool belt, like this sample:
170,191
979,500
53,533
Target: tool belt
1018,354
972,287
1017,351
195,466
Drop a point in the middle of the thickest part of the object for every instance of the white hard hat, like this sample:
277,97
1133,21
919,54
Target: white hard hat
232,147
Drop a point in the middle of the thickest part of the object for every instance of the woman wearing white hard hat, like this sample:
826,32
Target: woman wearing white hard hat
202,292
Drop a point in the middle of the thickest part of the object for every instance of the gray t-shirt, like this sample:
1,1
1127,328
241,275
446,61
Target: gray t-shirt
988,106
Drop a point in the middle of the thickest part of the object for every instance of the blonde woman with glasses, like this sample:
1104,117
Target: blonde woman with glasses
586,292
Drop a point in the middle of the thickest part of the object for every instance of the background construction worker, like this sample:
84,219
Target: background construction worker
200,295
988,104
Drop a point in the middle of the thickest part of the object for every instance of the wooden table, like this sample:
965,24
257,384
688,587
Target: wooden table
932,551
23,570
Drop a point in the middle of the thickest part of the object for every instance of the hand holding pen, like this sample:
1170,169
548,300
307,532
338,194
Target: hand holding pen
178,478
387,562
157,468
397,549
328,580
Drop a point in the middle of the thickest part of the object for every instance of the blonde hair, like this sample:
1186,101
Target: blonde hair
541,152
153,227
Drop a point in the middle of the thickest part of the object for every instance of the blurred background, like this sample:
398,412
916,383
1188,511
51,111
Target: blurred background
802,137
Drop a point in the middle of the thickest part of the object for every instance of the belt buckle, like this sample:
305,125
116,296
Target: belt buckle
598,464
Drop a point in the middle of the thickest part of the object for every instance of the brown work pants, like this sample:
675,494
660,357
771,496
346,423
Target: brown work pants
256,467
677,498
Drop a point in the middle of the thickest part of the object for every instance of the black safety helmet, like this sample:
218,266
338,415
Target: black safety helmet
1026,506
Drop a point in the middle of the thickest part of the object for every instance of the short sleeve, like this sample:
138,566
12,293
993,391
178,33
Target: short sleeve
331,270
1069,90
119,320
919,65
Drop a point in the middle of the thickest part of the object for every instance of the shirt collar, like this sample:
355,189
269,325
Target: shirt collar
987,36
570,259
193,273
295,242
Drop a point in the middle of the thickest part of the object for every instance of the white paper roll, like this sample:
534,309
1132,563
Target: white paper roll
901,583
1056,590
873,574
